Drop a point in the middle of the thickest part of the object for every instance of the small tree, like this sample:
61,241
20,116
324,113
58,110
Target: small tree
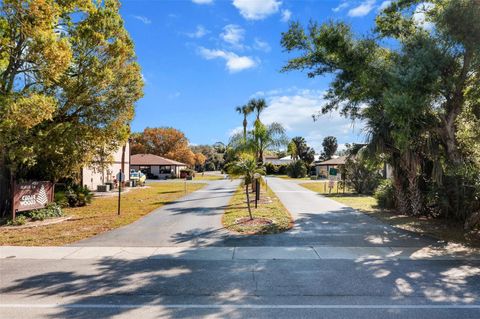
245,168
361,173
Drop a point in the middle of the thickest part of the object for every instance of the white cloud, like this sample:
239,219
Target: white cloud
199,32
143,19
234,62
363,9
293,108
202,1
257,9
341,6
174,95
261,45
286,15
419,16
234,35
235,131
385,4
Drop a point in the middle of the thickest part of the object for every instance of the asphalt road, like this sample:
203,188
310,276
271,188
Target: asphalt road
255,286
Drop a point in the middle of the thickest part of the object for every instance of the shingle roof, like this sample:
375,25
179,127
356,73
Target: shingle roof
334,161
150,159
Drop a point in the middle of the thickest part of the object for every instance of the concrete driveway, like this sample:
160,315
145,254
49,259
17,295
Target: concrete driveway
192,220
335,263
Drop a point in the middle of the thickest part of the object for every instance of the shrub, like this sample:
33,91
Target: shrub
361,175
19,220
78,196
210,166
385,194
61,199
297,169
50,211
272,169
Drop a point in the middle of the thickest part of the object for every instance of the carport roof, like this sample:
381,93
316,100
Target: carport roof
153,160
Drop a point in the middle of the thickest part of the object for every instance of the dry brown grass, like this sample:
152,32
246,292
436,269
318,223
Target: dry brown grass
98,217
269,207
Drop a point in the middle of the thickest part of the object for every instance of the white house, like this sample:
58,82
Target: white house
92,175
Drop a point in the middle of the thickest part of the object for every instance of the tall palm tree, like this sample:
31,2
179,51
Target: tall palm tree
245,110
257,105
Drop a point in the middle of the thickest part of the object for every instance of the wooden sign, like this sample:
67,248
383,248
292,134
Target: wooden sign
31,195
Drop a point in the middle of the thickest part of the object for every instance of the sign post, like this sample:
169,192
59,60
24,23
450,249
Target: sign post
257,188
120,178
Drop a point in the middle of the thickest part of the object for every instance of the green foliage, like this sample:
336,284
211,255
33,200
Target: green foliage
245,168
78,196
52,210
302,150
360,172
68,85
259,140
19,220
420,101
297,169
330,146
385,194
214,155
272,169
210,166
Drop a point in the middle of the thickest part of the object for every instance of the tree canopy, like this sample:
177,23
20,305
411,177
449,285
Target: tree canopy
68,84
416,86
330,146
167,142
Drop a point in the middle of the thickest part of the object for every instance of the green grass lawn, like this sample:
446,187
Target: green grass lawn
438,228
269,207
98,217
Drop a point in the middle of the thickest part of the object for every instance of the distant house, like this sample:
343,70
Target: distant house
322,168
277,161
93,174
157,166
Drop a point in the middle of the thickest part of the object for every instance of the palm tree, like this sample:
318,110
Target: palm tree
245,110
267,137
246,168
292,150
257,105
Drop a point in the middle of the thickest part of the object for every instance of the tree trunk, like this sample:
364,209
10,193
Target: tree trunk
248,202
416,198
401,198
245,123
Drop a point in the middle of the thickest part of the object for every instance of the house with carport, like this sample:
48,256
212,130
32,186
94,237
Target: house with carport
155,166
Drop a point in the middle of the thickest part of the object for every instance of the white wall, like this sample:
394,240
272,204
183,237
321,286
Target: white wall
92,177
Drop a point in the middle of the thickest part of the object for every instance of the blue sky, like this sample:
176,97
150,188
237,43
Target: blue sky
201,58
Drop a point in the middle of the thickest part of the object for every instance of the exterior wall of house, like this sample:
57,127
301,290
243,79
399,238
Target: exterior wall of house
157,169
322,170
92,175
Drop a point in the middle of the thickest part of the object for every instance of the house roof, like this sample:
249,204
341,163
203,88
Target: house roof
150,159
278,161
334,161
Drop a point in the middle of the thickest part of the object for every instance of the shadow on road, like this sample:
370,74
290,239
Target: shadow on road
176,281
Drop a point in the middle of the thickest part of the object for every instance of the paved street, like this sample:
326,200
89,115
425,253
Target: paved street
177,262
